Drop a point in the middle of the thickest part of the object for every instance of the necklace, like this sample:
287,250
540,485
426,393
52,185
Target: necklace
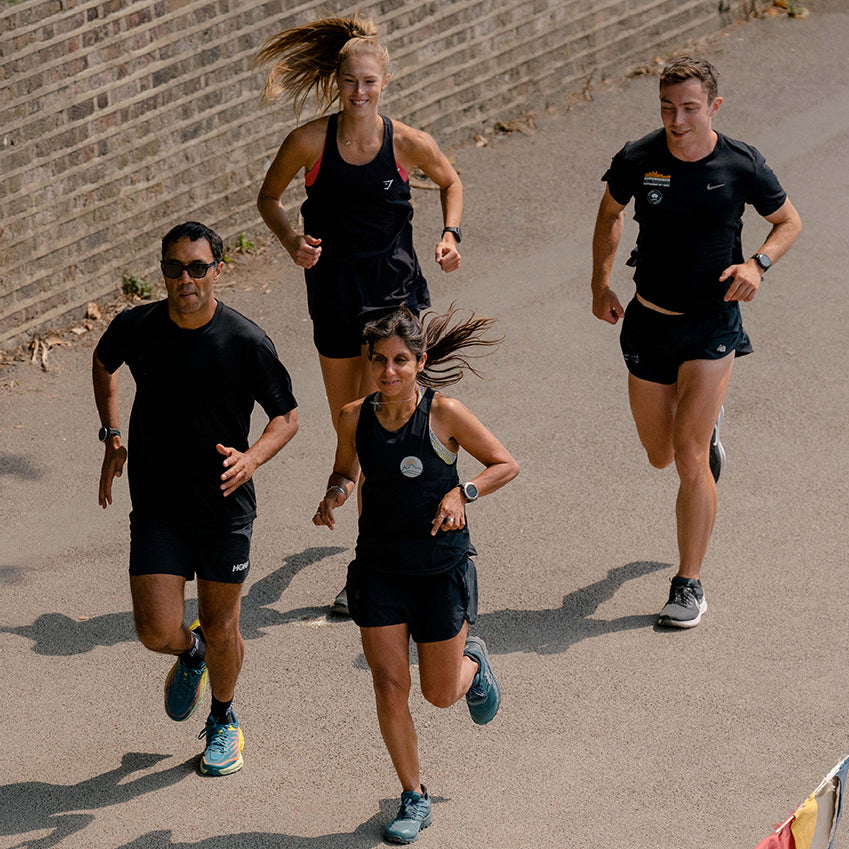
375,402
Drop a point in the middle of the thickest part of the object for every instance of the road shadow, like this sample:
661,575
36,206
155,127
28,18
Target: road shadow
19,466
57,635
556,630
37,806
367,835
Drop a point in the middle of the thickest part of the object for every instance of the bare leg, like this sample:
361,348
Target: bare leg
653,407
701,390
345,380
219,605
387,651
158,608
445,672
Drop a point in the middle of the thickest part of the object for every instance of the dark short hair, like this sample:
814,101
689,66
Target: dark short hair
691,68
194,230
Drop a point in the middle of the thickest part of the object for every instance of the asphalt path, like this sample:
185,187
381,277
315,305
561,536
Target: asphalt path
612,733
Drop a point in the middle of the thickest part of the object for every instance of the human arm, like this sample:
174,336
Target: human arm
301,149
239,467
606,236
115,454
415,148
747,276
454,424
346,467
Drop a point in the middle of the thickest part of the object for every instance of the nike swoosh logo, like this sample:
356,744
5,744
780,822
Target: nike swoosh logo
710,188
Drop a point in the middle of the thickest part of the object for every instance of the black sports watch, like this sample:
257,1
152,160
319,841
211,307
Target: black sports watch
470,491
763,261
107,433
456,232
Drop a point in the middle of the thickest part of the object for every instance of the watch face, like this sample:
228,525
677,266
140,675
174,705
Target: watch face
471,491
763,261
101,434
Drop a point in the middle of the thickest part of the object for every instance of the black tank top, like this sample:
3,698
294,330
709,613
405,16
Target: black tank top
363,216
405,480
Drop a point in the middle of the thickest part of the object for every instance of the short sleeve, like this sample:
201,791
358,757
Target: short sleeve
619,178
272,384
766,195
111,350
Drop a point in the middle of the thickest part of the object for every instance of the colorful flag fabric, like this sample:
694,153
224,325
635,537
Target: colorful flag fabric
813,824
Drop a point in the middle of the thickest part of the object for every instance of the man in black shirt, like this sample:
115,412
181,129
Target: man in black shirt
198,366
681,332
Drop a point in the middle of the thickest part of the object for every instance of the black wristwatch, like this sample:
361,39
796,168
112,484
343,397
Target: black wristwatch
107,433
763,261
470,491
456,232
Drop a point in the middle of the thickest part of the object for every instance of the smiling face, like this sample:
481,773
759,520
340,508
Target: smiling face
687,111
395,368
360,80
191,302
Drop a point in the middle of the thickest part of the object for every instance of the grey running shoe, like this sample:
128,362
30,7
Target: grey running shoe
484,696
685,606
717,452
414,814
340,604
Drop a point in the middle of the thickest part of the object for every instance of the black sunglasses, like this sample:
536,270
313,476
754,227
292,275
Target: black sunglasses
173,269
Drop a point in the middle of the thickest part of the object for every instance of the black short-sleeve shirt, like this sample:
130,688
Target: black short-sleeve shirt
690,215
194,389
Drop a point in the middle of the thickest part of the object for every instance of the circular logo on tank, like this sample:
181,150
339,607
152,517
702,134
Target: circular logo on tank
654,197
411,467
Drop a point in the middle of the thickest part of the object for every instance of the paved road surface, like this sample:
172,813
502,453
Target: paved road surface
612,733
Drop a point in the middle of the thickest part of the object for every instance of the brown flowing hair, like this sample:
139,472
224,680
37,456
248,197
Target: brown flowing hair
445,338
306,59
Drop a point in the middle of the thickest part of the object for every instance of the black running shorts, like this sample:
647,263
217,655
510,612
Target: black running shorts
655,344
160,548
339,337
434,606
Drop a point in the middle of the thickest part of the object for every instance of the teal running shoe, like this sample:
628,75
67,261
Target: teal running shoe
184,687
224,744
414,814
484,696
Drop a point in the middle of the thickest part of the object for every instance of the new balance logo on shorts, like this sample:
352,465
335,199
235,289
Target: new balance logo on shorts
240,567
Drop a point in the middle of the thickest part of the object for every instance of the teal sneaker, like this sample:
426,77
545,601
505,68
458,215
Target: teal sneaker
184,687
414,814
224,744
484,696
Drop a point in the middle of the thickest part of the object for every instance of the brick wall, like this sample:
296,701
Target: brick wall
120,117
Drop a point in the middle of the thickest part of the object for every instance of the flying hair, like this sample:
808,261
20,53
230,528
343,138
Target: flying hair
305,60
448,341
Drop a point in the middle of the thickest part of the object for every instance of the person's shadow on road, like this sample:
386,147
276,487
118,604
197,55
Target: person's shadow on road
367,835
35,805
57,635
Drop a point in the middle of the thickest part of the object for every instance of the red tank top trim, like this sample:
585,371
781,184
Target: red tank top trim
312,175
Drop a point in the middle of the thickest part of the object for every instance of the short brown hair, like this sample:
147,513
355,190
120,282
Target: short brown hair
691,68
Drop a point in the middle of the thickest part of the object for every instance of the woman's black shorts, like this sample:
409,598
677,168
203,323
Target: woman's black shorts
434,606
655,344
340,337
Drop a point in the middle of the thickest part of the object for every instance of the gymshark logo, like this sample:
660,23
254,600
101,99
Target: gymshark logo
710,188
240,567
387,184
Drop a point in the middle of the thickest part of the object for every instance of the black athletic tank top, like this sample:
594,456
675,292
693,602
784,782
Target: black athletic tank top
404,482
363,216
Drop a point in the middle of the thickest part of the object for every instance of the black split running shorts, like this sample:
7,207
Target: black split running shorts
161,548
655,344
435,606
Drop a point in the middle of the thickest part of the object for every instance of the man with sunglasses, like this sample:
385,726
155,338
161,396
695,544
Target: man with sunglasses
199,367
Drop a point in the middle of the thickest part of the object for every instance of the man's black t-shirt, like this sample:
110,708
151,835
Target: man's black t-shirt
194,389
690,215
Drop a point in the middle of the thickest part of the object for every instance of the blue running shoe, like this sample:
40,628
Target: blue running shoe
414,814
484,696
184,687
224,744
